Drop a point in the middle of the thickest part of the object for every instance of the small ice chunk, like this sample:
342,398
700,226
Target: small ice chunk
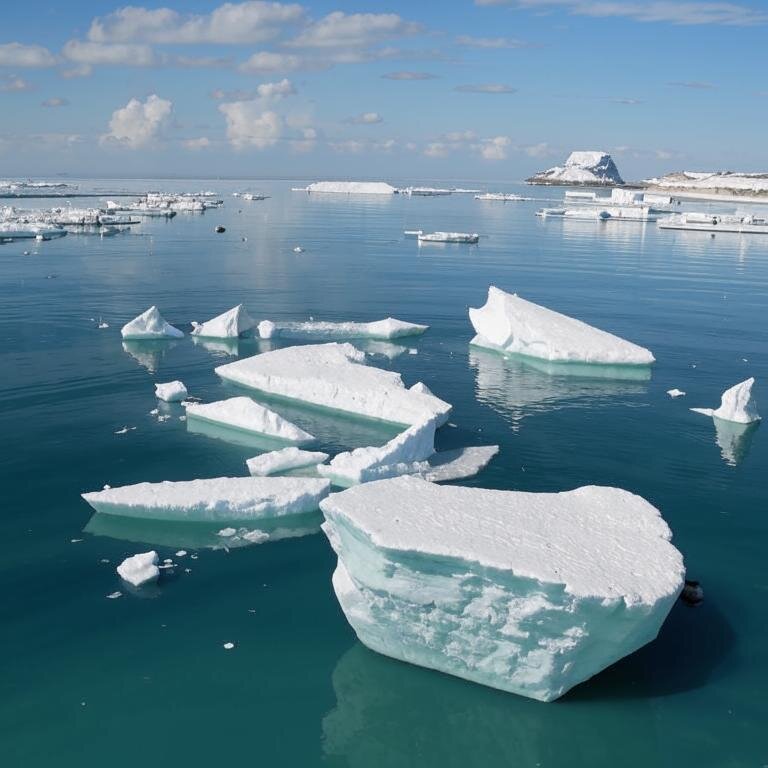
227,532
181,553
245,414
154,412
298,249
255,537
150,325
736,404
675,392
114,595
228,325
171,392
139,569
123,431
283,460
266,329
229,646
102,325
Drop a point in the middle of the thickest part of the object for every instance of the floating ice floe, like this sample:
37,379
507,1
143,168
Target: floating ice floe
389,328
139,569
351,188
675,392
335,376
736,404
228,325
244,414
171,392
219,498
530,593
457,464
508,323
150,325
284,460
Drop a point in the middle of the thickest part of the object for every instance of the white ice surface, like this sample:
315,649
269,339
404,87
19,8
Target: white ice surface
150,325
245,414
457,464
219,498
586,167
283,460
675,392
335,376
228,325
389,328
171,392
526,592
353,187
736,404
139,569
510,324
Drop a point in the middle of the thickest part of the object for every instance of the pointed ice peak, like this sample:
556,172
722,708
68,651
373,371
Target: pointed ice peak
150,325
228,325
736,404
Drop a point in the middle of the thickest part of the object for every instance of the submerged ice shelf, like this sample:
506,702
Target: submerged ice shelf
508,323
531,593
284,460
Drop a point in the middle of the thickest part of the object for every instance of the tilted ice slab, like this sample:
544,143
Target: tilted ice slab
220,498
284,460
510,324
139,569
389,328
736,404
457,464
531,593
171,392
150,325
335,376
228,325
245,414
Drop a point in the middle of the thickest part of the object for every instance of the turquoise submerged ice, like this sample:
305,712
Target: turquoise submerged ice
531,593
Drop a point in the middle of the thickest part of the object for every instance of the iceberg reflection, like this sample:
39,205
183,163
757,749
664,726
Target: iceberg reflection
148,352
734,439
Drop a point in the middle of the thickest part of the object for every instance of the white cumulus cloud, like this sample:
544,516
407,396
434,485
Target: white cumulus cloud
354,30
196,144
276,90
250,125
365,118
265,62
494,148
32,56
139,123
118,54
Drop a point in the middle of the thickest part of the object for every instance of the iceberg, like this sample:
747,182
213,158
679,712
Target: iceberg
352,188
150,325
736,404
284,460
530,593
244,414
171,392
219,498
228,325
508,323
335,376
140,569
403,454
591,168
389,328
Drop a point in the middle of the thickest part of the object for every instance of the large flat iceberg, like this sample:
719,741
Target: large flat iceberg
530,593
335,376
228,325
150,325
352,187
508,323
736,404
220,498
244,414
389,328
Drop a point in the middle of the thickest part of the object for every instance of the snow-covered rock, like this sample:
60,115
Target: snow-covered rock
140,569
582,168
352,187
244,414
228,325
713,183
150,325
218,498
736,404
404,454
508,323
171,392
530,593
389,328
284,460
335,376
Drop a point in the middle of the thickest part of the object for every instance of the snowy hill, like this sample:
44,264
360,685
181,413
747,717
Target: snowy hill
582,168
713,183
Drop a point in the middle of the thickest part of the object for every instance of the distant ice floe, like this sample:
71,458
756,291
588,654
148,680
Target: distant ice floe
284,460
510,324
150,325
335,376
139,569
350,188
171,392
228,325
530,593
736,404
389,328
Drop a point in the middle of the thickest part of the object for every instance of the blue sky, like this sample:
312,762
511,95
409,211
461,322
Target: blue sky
490,89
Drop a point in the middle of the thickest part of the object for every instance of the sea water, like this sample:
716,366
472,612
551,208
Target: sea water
145,678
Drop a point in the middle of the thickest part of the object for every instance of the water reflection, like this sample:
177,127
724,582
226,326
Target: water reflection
382,348
218,347
521,386
149,352
734,439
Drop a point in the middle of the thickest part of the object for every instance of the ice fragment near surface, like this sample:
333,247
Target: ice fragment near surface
736,404
389,328
531,593
283,460
139,569
171,392
150,325
228,325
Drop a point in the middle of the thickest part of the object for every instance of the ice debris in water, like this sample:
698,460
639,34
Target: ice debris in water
508,323
675,392
114,595
335,376
150,325
229,646
102,325
298,249
245,414
228,325
219,498
227,532
531,593
389,328
736,404
171,392
139,569
283,460
457,464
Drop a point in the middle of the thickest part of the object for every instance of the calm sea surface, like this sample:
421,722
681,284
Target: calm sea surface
144,679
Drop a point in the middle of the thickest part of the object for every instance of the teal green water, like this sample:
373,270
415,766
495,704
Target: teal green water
87,680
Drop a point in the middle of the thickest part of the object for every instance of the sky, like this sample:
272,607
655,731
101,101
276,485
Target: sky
458,89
